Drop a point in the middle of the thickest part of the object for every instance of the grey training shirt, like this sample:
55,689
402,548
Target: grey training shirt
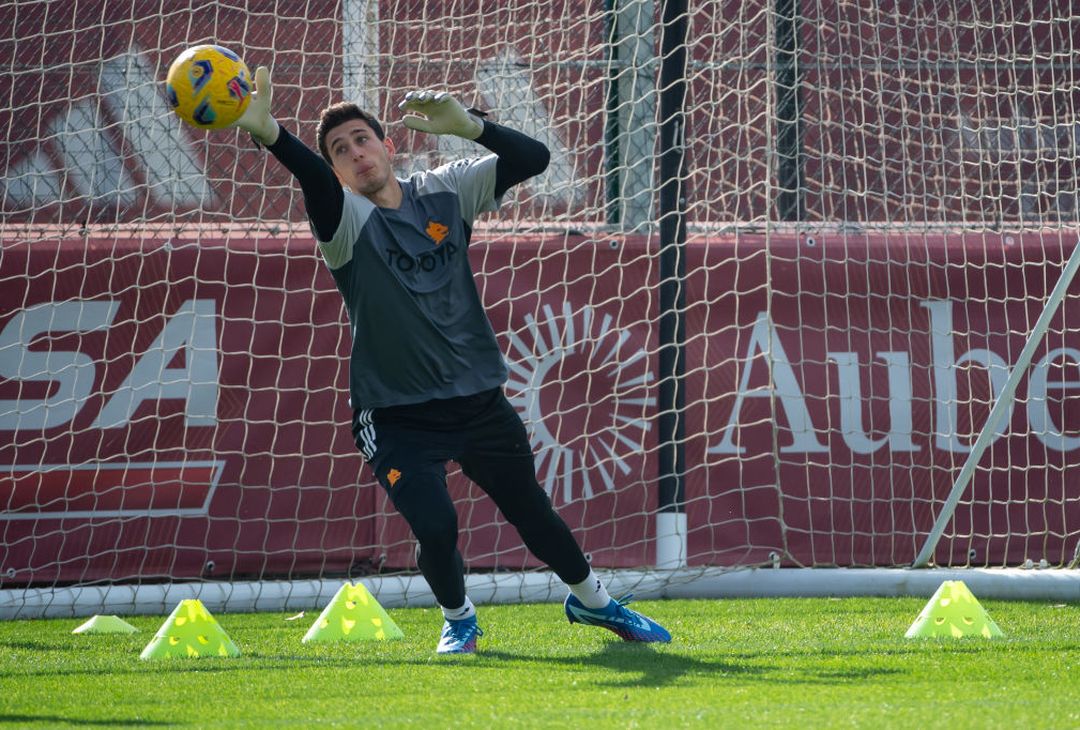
419,329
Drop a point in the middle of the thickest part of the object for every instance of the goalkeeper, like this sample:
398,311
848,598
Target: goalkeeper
426,373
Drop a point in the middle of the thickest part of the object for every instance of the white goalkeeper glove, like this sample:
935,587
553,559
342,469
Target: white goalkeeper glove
256,119
437,112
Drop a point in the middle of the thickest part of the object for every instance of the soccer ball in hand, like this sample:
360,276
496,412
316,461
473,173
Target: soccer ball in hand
209,87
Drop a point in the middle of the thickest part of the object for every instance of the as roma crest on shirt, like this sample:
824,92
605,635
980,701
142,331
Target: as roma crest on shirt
437,231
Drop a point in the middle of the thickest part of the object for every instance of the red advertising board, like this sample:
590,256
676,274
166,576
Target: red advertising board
176,407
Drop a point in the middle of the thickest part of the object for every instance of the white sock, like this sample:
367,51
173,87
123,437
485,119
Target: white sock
591,592
467,610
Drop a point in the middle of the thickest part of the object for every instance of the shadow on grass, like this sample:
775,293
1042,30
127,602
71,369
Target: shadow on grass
30,720
636,665
640,665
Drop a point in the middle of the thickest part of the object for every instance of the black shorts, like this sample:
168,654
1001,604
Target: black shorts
408,447
482,432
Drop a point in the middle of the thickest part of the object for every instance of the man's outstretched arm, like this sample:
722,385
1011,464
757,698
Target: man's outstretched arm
323,197
520,156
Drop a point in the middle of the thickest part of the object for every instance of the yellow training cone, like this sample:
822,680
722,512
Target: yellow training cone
353,615
953,612
105,625
190,631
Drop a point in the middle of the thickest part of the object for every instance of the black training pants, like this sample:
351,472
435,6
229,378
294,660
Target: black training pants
408,447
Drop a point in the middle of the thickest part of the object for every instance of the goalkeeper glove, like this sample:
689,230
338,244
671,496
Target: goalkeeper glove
256,119
440,113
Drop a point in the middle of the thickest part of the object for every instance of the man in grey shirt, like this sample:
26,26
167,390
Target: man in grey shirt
426,372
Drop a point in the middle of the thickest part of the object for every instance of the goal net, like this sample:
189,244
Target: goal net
756,311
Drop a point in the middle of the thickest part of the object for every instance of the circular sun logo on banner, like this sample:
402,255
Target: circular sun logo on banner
583,388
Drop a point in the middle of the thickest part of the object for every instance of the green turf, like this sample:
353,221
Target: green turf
768,663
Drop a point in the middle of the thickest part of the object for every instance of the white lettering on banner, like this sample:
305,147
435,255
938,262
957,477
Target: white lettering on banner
1042,425
192,329
132,94
945,364
71,374
851,403
93,166
765,341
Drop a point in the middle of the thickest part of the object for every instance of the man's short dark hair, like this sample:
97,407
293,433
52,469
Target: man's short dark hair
337,114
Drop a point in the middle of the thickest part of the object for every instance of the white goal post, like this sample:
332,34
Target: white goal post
1003,403
780,316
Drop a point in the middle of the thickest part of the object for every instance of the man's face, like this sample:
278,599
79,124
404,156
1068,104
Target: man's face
360,159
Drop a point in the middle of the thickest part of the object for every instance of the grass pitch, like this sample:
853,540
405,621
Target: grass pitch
732,663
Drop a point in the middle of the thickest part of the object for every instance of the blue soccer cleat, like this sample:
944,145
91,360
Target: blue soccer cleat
630,625
459,637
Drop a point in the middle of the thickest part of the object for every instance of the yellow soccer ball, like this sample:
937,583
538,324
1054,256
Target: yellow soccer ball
209,87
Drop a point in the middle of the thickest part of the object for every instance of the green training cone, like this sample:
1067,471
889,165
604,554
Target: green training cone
353,615
105,625
953,612
190,631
